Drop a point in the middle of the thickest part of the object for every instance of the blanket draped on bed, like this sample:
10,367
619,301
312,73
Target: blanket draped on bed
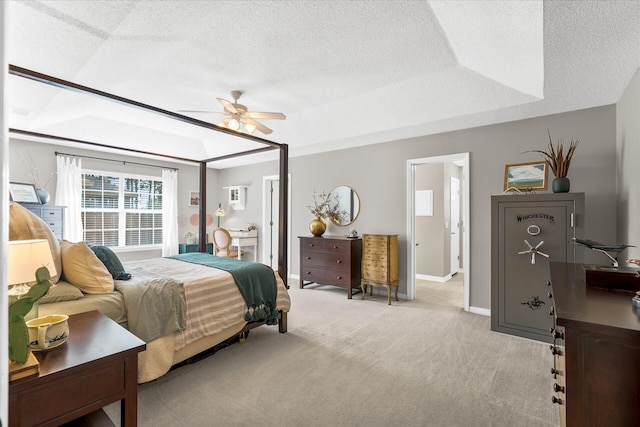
256,282
155,304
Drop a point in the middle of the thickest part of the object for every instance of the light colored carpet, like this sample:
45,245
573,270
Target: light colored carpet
449,293
361,363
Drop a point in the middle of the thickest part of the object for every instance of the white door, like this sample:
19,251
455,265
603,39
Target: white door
271,215
455,225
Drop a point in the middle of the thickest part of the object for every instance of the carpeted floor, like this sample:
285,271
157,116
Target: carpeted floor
361,363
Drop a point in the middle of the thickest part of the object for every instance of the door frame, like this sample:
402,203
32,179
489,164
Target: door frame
265,219
460,159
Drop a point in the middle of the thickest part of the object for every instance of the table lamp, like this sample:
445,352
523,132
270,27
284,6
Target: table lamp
30,266
219,212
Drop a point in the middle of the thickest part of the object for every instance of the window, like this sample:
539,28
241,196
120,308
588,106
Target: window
121,210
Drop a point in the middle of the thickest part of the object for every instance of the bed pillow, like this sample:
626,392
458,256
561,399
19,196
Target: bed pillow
83,269
60,292
111,261
25,225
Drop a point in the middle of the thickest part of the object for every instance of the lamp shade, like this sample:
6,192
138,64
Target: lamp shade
25,257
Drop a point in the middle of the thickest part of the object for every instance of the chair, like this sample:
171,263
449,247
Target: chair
222,242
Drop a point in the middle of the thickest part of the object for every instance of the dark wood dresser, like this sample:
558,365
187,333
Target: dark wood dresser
596,351
331,260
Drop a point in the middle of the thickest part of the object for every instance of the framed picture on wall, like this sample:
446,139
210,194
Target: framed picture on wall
23,193
526,176
194,198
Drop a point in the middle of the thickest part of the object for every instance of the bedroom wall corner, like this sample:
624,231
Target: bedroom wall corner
628,174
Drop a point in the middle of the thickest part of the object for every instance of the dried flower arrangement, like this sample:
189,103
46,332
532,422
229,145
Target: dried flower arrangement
32,170
556,158
322,207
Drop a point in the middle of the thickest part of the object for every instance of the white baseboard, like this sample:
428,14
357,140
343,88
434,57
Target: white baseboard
434,278
480,310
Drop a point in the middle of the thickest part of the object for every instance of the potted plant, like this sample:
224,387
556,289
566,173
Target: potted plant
559,161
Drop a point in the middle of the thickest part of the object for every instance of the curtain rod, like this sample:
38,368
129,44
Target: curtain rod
124,162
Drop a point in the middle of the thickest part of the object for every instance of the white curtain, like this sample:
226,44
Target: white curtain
170,212
69,194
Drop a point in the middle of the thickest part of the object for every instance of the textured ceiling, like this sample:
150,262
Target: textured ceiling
346,73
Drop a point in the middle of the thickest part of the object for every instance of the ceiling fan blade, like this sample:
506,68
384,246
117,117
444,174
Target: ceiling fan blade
259,126
265,115
200,111
228,106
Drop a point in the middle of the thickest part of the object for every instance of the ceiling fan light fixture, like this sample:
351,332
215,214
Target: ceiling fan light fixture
233,124
249,127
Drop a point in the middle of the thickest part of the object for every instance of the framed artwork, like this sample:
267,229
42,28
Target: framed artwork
526,176
424,202
194,198
23,193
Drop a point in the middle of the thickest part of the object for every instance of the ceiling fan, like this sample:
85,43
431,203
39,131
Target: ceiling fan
239,118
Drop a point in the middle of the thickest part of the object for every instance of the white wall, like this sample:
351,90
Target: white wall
628,172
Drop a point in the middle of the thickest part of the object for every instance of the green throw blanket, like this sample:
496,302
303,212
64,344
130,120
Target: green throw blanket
256,282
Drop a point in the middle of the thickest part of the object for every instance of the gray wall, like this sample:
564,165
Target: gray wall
628,154
378,173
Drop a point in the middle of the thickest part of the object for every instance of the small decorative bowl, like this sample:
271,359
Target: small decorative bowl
48,332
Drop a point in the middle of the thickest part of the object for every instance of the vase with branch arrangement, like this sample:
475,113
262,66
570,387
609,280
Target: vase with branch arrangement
32,170
323,207
558,160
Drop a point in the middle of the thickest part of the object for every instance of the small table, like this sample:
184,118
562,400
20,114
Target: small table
96,366
240,238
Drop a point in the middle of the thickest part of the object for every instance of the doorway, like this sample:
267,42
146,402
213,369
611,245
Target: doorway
270,214
448,224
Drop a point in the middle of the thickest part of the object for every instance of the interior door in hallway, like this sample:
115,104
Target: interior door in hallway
455,225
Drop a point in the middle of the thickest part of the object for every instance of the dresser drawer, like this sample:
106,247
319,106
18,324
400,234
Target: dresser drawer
324,276
330,261
375,239
375,275
48,213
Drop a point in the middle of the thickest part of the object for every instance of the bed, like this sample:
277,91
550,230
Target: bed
206,289
215,310
180,306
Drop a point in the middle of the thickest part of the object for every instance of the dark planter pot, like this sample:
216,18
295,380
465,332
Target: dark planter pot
561,185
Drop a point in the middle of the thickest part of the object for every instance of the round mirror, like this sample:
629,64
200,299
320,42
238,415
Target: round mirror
346,204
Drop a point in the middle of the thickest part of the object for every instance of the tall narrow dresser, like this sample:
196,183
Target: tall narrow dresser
380,263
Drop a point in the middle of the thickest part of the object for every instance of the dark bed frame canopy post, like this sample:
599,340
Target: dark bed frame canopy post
270,145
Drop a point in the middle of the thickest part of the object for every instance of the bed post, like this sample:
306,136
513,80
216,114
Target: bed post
202,208
283,219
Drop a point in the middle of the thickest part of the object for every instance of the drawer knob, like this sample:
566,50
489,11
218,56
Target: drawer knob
554,399
558,388
308,272
335,247
556,334
308,257
555,350
339,261
339,277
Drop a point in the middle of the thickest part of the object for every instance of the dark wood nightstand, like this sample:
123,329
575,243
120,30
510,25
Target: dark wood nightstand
98,365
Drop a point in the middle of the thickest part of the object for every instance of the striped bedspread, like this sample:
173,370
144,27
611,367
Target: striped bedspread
213,300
